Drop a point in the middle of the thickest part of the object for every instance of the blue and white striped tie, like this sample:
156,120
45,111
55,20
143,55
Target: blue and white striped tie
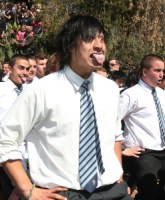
89,149
161,116
18,91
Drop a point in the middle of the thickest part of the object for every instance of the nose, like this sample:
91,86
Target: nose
99,44
26,71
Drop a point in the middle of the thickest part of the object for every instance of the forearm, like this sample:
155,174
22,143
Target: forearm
117,149
18,176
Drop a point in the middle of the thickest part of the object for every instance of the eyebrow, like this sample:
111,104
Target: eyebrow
23,67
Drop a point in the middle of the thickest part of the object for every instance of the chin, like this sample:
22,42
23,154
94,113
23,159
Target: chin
98,66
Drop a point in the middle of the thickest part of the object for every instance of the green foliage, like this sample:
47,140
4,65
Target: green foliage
125,41
7,43
124,22
128,49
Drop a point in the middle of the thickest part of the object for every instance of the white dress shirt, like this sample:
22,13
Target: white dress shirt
33,81
5,77
48,116
7,96
140,116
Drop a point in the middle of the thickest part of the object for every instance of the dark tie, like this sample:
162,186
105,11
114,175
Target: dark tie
18,91
89,147
160,114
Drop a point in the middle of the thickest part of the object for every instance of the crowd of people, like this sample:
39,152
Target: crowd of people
23,22
74,126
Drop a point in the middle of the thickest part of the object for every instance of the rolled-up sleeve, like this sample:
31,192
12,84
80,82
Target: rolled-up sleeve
16,125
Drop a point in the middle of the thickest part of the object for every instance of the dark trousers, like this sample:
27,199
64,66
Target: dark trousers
129,175
111,192
148,168
6,186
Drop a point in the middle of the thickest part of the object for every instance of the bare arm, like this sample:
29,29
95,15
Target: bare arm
18,176
117,149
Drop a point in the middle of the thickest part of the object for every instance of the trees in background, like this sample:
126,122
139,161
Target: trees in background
134,27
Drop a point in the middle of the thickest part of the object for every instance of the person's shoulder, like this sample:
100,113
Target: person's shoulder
6,83
160,91
52,77
103,81
5,87
49,80
2,85
134,90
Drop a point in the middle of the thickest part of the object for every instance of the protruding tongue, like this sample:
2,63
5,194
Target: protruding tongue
100,58
24,79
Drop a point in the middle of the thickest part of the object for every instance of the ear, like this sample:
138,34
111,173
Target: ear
10,69
144,72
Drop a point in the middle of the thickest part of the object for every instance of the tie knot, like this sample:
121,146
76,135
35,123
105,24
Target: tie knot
85,84
153,91
18,91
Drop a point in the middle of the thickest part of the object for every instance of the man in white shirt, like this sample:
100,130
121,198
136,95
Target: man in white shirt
48,116
6,71
142,126
41,60
19,67
32,71
8,90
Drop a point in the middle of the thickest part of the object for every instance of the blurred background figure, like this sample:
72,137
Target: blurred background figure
114,64
131,79
6,70
41,60
2,25
20,36
52,64
120,78
26,45
32,71
162,85
102,71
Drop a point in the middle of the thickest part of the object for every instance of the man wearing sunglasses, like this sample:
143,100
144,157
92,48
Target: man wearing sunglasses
114,65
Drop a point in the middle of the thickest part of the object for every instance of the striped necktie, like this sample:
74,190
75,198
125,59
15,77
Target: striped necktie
89,146
160,114
18,91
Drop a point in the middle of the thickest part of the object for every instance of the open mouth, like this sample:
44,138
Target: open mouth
97,58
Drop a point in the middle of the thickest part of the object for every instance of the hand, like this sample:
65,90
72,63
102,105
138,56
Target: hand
133,151
47,194
120,181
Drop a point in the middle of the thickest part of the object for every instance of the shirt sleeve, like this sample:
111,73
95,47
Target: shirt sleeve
16,125
127,104
119,132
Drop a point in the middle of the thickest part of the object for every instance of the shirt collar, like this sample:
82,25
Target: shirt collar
146,87
75,79
10,84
